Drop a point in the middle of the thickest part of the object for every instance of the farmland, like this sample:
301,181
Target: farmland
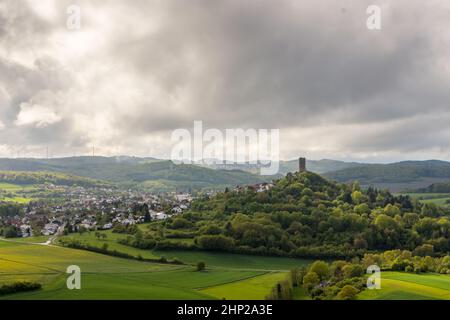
216,259
409,286
105,277
440,199
10,192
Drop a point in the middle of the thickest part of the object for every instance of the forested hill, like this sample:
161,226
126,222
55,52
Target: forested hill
149,173
406,175
28,178
305,215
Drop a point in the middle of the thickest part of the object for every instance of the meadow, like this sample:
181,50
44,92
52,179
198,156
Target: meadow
440,199
410,286
106,277
227,276
212,259
15,193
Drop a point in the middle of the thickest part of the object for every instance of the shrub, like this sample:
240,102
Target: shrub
321,269
201,266
424,250
215,242
353,270
19,287
180,223
348,292
310,280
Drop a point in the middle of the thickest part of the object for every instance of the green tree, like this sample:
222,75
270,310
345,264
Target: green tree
310,280
424,250
356,196
201,266
348,292
320,268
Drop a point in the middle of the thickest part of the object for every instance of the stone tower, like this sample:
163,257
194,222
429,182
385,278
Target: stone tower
301,164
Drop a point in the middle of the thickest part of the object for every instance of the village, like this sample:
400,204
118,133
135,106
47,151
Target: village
75,208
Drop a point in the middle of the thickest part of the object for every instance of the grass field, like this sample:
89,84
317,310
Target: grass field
106,277
14,192
215,259
256,288
409,286
111,240
227,276
15,187
440,199
34,239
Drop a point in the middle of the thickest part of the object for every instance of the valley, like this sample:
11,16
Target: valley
303,233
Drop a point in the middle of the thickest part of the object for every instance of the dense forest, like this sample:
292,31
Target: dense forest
305,215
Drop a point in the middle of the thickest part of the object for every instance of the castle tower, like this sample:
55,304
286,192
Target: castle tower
301,164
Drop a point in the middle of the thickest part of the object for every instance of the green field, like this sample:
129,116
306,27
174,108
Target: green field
15,187
34,239
440,199
215,259
106,277
409,286
14,193
256,288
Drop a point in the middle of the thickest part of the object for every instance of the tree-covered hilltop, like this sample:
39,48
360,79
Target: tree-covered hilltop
305,215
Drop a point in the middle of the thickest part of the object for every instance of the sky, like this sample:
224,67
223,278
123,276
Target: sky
137,70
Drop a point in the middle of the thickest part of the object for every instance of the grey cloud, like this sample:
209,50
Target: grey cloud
263,64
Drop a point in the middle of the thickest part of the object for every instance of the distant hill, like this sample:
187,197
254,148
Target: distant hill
164,175
39,177
316,166
149,173
400,176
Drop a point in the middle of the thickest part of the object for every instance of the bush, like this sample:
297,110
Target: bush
353,270
19,287
348,292
283,290
310,280
201,266
424,250
215,242
180,223
321,269
127,229
10,232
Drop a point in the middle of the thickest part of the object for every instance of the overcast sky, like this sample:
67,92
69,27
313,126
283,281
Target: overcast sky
136,70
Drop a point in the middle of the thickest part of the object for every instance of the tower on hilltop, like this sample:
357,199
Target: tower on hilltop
302,164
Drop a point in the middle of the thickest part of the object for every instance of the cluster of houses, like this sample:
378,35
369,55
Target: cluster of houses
259,187
95,208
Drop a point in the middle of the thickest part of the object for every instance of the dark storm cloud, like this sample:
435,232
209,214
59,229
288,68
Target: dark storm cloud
269,64
153,66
